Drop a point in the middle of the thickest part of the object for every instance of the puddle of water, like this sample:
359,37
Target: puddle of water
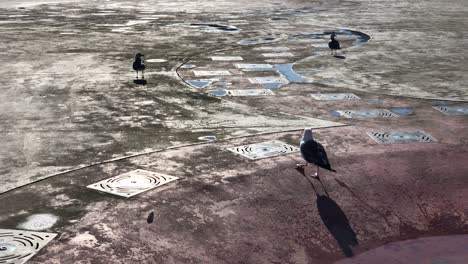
188,66
402,111
200,83
287,71
217,92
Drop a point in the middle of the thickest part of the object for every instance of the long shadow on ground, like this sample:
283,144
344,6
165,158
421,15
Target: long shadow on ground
337,224
335,220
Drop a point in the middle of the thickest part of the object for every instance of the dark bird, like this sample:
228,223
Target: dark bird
314,153
150,218
139,65
334,45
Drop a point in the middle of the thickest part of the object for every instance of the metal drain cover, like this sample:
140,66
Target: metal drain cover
385,137
132,183
250,92
227,58
453,110
264,150
211,73
370,113
17,246
335,96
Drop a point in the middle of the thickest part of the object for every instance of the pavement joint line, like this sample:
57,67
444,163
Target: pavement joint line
157,151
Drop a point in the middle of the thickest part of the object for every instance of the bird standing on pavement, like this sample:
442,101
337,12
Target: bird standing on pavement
150,218
139,65
334,45
314,153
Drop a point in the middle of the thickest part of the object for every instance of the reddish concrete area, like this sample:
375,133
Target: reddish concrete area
71,116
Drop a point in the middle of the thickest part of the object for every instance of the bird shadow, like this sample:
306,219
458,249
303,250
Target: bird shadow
337,224
339,57
140,81
335,220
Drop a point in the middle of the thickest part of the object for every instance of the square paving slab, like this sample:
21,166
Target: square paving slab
268,79
18,246
227,58
264,150
279,54
255,67
387,137
132,183
250,92
211,73
334,96
273,48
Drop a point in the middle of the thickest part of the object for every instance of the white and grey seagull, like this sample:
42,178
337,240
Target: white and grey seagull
314,153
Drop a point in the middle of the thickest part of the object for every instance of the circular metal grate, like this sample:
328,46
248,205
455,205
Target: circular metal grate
264,150
453,110
250,92
132,183
335,96
401,136
17,246
366,113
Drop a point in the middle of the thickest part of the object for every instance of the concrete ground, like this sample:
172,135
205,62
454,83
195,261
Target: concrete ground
71,116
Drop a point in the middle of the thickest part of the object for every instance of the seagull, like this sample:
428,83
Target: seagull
139,65
313,152
334,45
150,218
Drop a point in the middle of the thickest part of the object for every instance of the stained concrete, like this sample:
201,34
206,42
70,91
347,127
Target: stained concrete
69,109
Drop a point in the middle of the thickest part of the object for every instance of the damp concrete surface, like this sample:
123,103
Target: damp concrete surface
71,116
